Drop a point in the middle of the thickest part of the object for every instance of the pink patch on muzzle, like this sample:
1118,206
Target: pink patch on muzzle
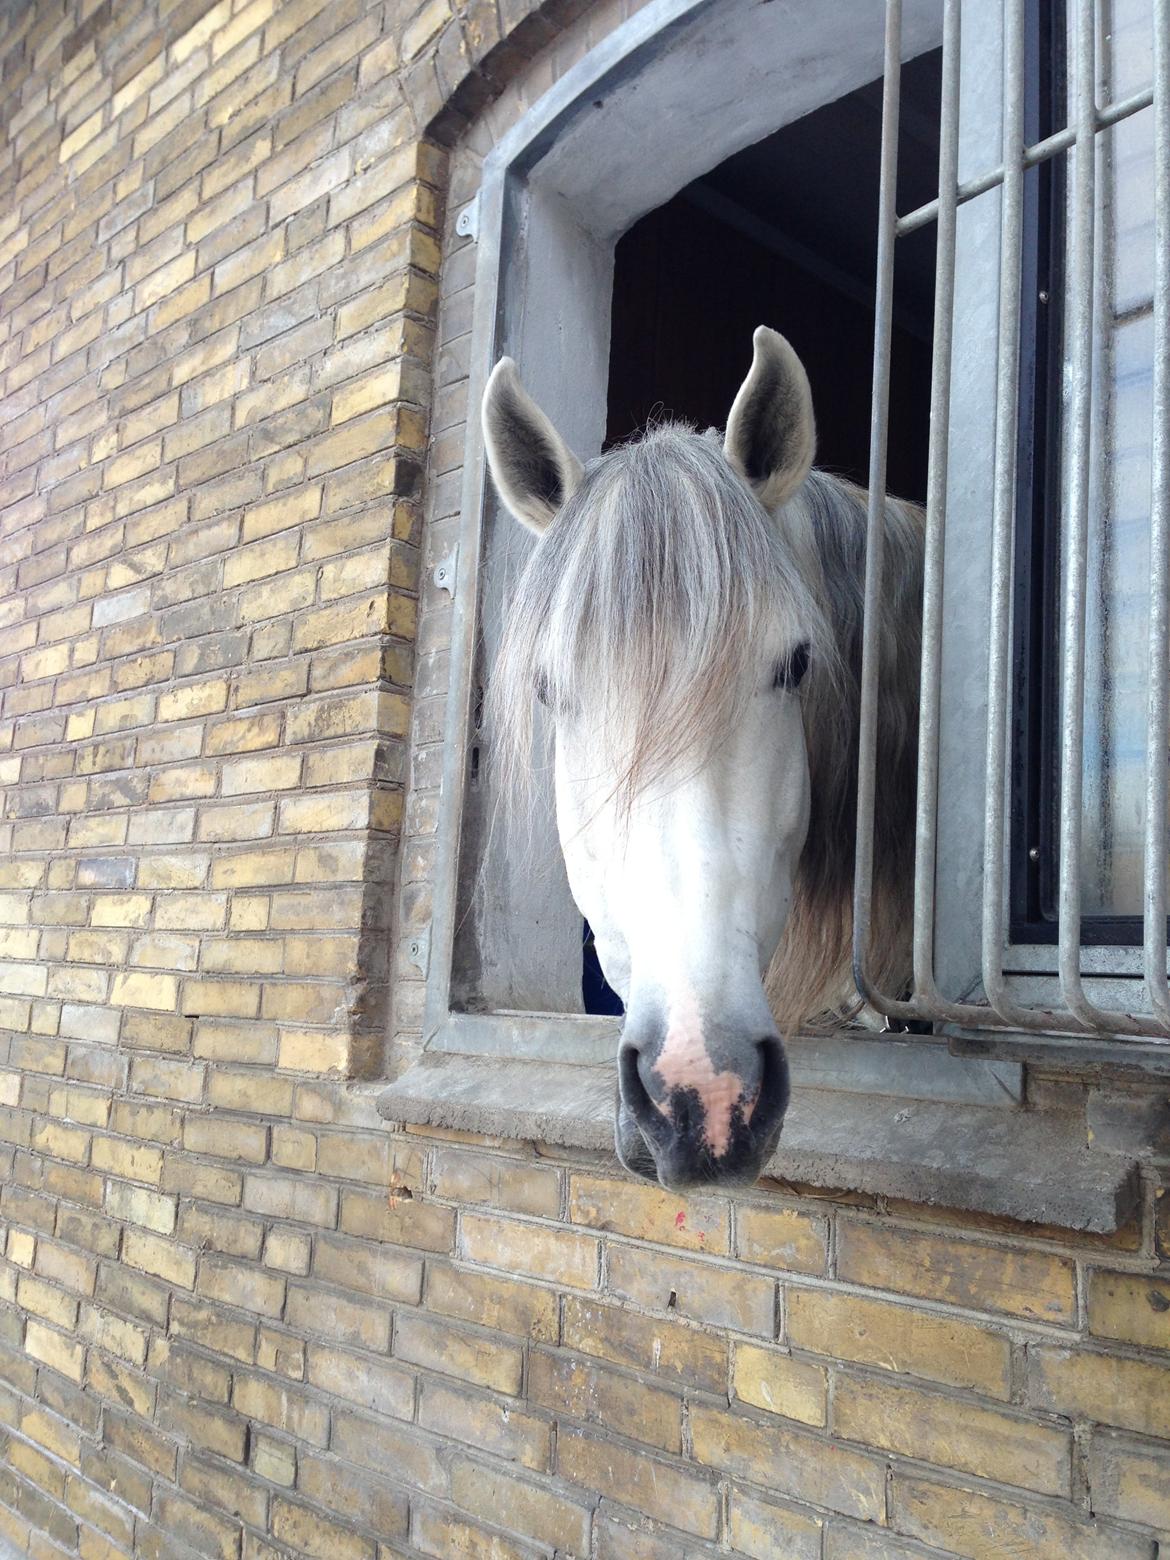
683,1063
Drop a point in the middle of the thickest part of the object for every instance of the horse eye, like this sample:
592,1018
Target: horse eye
542,688
790,672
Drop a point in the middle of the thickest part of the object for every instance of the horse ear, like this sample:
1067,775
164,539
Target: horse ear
534,470
771,437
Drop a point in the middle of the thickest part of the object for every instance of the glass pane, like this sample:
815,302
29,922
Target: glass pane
1118,561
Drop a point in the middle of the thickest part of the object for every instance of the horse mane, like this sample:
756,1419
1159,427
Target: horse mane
809,983
658,591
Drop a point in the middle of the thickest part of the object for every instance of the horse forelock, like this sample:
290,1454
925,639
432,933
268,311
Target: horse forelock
651,609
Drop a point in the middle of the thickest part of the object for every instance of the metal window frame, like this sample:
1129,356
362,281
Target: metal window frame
1075,1013
507,205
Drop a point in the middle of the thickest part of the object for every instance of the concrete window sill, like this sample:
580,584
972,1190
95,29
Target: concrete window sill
1023,1165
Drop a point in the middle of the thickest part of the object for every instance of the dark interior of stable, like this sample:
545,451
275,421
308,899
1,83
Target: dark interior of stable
760,241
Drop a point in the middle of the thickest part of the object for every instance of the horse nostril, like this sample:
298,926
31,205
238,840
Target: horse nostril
655,1127
772,1100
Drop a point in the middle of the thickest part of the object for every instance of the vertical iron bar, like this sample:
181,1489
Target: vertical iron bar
875,516
1007,390
1157,723
1074,553
926,825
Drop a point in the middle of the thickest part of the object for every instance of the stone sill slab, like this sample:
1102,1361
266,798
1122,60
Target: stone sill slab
1023,1165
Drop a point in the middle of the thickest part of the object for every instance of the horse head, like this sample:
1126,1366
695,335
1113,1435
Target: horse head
665,622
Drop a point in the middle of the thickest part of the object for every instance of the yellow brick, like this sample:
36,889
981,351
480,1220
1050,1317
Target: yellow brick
353,440
686,1500
328,813
301,1002
790,1460
247,821
134,989
280,772
1130,1307
311,1534
121,909
55,1350
293,1148
957,1272
136,1205
771,1379
459,1176
287,1250
182,302
131,1161
254,259
21,1248
362,395
191,912
490,1301
333,718
339,861
410,1222
262,559
781,1238
281,513
80,137
172,870
985,1527
272,682
600,1396
46,1301
243,734
650,1213
282,1407
162,1258
764,1529
1131,1480
559,1256
313,1050
226,1138
62,1142
955,1433
348,576
341,624
250,914
242,956
718,1296
895,1337
1132,1394
165,280
438,1346
207,698
253,867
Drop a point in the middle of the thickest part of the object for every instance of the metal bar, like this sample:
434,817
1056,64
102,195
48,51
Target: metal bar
1158,709
966,1013
1033,155
1007,392
926,823
875,514
1074,551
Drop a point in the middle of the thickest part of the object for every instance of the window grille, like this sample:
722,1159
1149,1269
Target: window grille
1076,1012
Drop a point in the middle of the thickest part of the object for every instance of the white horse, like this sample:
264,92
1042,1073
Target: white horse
691,618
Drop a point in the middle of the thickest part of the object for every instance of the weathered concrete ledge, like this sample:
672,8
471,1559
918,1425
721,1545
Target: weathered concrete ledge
1021,1164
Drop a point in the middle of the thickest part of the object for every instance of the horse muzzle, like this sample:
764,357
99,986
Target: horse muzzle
686,1137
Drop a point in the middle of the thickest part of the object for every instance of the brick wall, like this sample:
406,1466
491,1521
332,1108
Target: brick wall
238,1317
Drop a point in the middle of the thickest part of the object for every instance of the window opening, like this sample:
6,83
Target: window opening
1117,604
755,242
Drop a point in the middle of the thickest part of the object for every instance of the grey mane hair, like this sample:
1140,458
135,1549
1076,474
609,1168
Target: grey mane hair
654,601
655,598
810,983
